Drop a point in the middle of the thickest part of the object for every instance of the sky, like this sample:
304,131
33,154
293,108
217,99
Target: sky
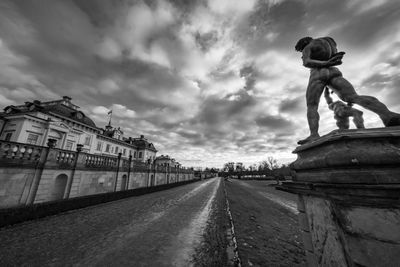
207,82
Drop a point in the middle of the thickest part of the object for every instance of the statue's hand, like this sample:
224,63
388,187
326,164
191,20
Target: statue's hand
338,56
336,59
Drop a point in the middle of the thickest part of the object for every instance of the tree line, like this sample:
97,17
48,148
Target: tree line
269,167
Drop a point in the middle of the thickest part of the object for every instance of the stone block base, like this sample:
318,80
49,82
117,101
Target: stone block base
349,198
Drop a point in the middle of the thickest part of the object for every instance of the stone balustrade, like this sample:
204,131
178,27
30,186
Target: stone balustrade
17,153
65,157
32,174
100,162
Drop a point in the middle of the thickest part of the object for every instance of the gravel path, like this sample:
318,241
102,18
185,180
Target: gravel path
266,224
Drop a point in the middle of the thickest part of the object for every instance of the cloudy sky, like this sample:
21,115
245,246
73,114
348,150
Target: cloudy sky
207,81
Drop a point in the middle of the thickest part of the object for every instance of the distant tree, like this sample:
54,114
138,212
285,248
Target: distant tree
239,166
214,170
229,167
270,164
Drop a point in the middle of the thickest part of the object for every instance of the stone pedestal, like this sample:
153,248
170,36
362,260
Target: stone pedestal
348,186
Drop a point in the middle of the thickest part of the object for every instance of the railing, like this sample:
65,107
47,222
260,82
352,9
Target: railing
96,161
19,154
65,157
26,153
125,163
140,166
159,168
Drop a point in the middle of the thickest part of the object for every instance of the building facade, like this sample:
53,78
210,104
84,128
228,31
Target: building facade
52,150
165,160
36,122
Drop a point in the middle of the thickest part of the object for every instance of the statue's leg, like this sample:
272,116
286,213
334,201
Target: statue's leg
346,92
343,123
313,95
358,119
314,91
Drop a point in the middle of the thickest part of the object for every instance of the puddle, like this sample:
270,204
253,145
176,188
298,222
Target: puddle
189,238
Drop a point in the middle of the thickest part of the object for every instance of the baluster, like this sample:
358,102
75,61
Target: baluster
14,151
7,151
29,153
23,152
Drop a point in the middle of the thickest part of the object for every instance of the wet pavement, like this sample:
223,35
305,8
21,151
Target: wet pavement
167,228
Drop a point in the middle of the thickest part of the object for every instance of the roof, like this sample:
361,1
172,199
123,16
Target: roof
121,142
141,143
72,114
61,107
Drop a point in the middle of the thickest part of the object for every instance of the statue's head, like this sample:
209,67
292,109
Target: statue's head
303,42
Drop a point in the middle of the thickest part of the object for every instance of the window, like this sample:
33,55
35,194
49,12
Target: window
124,152
134,155
116,150
69,145
8,136
99,146
32,139
108,148
140,154
87,140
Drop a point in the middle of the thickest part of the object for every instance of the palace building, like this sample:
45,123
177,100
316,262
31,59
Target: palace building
36,122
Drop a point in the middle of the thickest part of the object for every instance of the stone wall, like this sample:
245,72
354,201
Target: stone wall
33,174
13,184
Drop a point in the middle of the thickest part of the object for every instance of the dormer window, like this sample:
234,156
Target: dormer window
8,110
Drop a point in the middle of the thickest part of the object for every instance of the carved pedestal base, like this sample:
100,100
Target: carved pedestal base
348,185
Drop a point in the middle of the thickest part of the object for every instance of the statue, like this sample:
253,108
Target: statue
342,113
321,56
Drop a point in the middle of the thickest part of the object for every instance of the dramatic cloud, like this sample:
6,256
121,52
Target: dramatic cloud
207,81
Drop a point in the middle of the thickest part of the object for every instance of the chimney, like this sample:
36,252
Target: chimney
141,136
67,98
36,102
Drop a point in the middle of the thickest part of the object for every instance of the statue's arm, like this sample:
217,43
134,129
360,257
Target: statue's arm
312,63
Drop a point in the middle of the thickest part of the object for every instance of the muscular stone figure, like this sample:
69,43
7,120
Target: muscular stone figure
321,55
343,112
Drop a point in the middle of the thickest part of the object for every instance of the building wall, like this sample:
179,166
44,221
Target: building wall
14,182
52,171
62,130
129,149
138,179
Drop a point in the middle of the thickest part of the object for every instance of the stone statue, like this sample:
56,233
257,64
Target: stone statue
342,113
321,56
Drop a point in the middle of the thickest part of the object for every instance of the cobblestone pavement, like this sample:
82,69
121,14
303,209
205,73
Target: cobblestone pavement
265,223
165,228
